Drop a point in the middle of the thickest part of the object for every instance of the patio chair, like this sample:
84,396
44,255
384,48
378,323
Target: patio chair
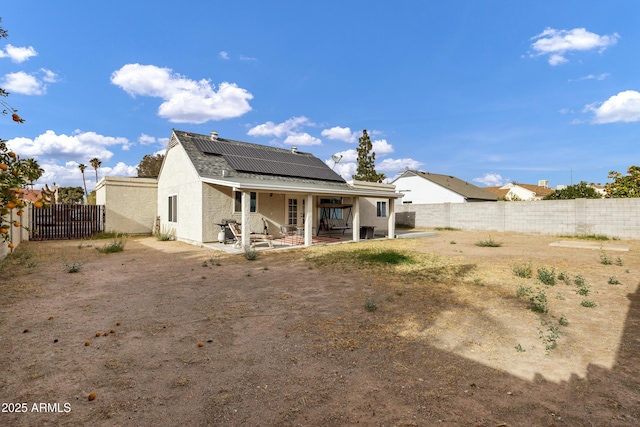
254,239
290,231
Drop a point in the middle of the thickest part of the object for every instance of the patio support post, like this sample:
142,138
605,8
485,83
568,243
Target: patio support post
308,221
356,219
391,234
245,228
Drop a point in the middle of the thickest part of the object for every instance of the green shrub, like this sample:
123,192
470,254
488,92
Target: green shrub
548,277
613,281
523,270
538,302
605,259
370,305
588,303
488,243
523,291
165,234
74,267
117,245
251,255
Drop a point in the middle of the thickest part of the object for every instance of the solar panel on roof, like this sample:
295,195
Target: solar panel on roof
266,160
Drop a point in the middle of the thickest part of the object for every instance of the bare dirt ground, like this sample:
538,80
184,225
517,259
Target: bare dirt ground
287,339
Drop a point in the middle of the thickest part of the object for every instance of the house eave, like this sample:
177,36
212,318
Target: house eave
240,184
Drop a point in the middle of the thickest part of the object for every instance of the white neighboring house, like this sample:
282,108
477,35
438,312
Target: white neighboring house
428,188
524,192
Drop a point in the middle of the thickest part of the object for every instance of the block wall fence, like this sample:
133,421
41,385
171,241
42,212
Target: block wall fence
618,218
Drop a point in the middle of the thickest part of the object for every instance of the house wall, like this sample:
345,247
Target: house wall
218,204
17,234
368,214
130,203
418,190
178,177
611,217
521,193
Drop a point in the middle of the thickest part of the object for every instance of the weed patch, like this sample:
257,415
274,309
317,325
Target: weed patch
73,267
488,243
522,270
117,245
538,302
546,276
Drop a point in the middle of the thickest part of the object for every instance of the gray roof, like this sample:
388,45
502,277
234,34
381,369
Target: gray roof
465,189
211,156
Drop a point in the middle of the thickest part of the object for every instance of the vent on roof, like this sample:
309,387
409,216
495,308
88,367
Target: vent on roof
214,135
294,149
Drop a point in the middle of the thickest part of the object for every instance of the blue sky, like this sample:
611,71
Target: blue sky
490,92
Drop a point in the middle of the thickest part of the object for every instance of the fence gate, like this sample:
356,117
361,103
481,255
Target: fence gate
66,222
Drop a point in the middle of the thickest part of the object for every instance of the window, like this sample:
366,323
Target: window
381,209
253,202
173,208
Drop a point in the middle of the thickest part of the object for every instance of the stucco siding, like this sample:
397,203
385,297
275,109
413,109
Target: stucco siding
179,178
418,190
368,214
130,203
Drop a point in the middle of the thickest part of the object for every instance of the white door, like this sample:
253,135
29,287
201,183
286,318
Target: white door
295,210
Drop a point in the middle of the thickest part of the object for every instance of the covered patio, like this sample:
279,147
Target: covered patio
363,207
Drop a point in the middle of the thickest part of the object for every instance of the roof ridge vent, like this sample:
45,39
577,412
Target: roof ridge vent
214,135
294,149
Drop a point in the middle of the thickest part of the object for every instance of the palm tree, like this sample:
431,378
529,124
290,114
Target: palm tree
82,167
34,171
96,163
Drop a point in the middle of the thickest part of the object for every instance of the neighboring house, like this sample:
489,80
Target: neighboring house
205,180
425,188
526,192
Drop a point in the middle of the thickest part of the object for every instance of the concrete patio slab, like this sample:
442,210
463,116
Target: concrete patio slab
590,245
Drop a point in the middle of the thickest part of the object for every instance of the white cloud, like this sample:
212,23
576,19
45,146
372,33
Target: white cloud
623,107
557,43
145,139
49,76
381,147
248,58
223,55
392,165
184,100
345,170
346,156
120,169
340,133
79,146
23,83
289,129
281,129
491,180
302,138
28,84
18,54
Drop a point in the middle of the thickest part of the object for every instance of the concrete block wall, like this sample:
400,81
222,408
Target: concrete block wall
611,217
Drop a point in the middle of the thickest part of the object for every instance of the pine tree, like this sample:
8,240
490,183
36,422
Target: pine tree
366,161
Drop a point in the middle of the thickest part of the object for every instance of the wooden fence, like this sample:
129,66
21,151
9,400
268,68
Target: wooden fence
59,222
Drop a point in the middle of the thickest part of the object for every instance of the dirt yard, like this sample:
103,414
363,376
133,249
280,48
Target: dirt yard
411,332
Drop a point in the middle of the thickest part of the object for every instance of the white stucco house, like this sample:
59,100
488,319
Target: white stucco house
206,180
524,192
425,188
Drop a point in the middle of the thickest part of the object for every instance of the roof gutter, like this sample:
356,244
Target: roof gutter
303,188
